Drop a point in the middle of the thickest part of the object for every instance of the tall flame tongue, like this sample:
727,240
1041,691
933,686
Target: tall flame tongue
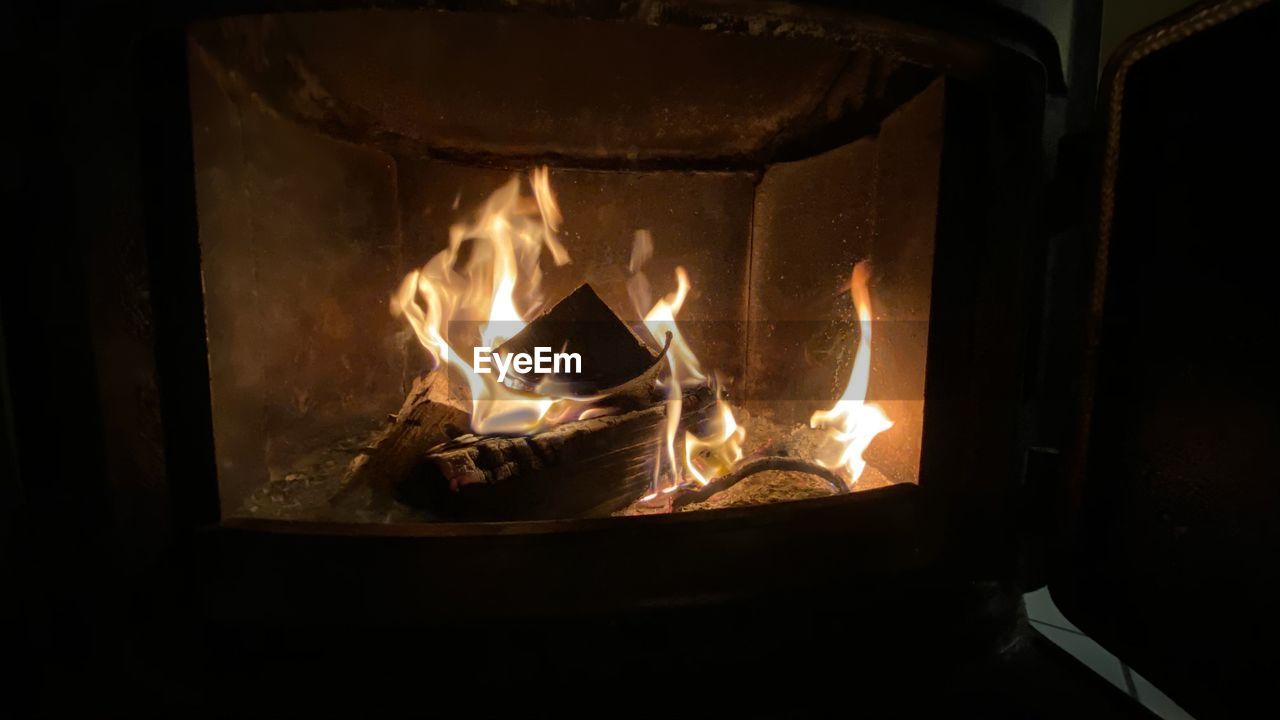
488,297
852,423
715,452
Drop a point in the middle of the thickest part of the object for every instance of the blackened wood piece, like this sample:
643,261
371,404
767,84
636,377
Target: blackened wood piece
429,416
582,323
746,469
641,390
586,468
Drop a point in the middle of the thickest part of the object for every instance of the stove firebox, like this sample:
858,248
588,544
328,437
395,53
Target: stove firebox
783,215
335,153
832,212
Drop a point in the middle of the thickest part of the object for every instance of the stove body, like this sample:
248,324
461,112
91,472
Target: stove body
292,158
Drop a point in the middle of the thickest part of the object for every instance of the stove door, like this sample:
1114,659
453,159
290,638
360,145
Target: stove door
1173,513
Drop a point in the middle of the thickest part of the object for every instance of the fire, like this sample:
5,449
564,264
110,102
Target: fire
486,285
852,423
495,290
704,457
720,449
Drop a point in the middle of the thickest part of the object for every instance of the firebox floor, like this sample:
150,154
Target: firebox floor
307,487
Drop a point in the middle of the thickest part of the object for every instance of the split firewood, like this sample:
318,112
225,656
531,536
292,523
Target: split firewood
640,391
430,415
593,466
585,468
581,323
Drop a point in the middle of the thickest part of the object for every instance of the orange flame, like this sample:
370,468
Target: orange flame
704,457
852,423
719,450
497,288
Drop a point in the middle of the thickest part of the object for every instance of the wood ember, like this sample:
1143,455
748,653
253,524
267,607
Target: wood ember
582,323
584,468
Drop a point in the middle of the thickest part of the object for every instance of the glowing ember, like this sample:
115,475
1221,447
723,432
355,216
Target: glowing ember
852,423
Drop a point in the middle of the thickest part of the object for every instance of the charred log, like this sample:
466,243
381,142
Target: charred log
425,458
581,323
585,468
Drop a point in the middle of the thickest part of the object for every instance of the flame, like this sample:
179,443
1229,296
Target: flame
720,449
497,287
852,423
704,457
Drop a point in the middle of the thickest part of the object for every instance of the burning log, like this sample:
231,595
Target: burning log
584,468
581,468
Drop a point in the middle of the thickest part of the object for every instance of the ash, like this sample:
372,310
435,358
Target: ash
766,436
305,488
770,486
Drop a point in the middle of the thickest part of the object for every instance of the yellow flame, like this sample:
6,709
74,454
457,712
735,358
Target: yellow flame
495,290
500,276
717,452
704,457
661,319
852,423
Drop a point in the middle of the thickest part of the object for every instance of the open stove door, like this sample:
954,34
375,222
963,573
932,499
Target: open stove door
1172,521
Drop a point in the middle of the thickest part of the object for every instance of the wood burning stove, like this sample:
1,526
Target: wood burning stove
336,152
296,220
758,162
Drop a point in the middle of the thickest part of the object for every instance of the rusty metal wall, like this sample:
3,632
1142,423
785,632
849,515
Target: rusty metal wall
874,199
299,236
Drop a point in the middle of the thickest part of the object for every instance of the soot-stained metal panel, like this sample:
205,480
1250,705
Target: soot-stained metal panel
299,242
873,200
697,220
